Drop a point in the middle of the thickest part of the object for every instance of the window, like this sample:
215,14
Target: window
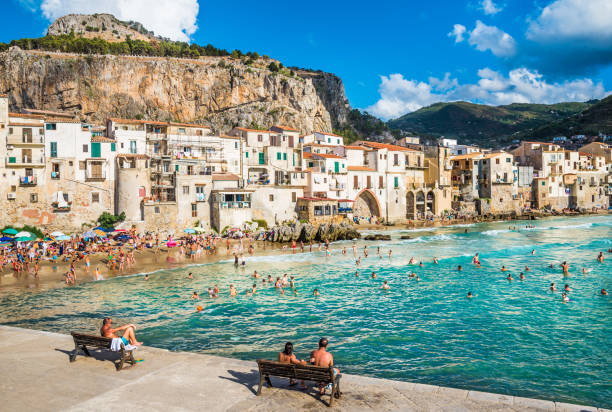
246,154
496,161
181,130
40,131
260,138
53,149
10,130
70,163
380,182
293,197
85,148
396,182
284,156
355,182
194,210
95,197
113,147
13,188
82,165
278,155
369,182
271,198
51,126
156,209
133,146
185,190
395,159
33,197
508,160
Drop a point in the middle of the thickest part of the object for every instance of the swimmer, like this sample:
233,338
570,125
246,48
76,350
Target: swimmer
385,286
604,292
552,265
248,292
526,268
190,275
412,275
358,261
435,260
600,257
565,298
195,295
316,292
373,275
509,276
469,295
476,259
420,264
418,278
233,291
585,270
254,289
522,276
344,250
282,291
412,261
459,268
553,287
533,251
503,269
356,273
255,274
145,278
390,253
567,288
565,267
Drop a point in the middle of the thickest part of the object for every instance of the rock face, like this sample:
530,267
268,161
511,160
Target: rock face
219,90
308,233
105,26
377,236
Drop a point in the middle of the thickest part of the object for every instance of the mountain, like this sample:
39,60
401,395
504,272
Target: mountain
103,26
482,124
157,79
591,121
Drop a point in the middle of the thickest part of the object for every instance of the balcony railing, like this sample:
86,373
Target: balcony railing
13,161
55,175
25,140
235,205
95,176
27,181
200,197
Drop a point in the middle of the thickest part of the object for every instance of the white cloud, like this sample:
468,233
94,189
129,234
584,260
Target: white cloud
485,38
489,7
457,33
399,95
574,20
175,19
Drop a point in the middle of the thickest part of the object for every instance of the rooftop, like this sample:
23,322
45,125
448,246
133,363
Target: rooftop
224,176
360,169
391,147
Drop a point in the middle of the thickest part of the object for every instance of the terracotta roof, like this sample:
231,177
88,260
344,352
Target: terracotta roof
225,176
189,125
360,169
226,136
25,124
392,147
356,148
60,120
253,130
324,199
319,145
329,134
307,155
466,156
285,128
133,156
327,155
3,95
126,121
30,116
492,155
102,139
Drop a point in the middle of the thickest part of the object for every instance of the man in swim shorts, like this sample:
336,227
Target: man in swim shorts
128,332
321,357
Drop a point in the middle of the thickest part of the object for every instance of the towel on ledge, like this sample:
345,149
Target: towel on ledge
116,345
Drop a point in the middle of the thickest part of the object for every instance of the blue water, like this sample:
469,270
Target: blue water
513,337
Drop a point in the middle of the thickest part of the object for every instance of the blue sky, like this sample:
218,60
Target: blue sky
393,56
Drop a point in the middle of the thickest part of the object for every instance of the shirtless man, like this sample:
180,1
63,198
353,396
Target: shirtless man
600,257
385,286
321,357
233,291
128,332
565,267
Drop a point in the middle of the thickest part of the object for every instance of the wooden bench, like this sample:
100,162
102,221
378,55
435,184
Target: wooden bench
82,341
316,374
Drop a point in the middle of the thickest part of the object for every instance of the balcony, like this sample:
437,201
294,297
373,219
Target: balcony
155,137
27,181
24,161
61,209
235,205
26,140
55,175
200,197
95,176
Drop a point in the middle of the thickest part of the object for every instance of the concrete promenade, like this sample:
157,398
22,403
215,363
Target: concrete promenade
37,376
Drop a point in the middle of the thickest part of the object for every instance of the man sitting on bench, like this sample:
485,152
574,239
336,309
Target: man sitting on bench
321,357
128,338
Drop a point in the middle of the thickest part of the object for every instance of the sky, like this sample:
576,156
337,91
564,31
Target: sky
394,57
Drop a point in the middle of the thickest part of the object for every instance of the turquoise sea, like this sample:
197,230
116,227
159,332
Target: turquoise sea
514,337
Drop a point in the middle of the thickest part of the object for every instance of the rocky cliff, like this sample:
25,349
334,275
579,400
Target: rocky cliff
220,90
104,26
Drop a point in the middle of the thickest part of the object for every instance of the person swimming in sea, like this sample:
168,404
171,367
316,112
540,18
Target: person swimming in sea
476,259
565,298
385,285
420,264
356,273
412,261
527,269
190,276
469,295
503,269
195,295
533,251
509,276
600,257
567,288
459,268
146,277
553,287
255,274
522,276
435,260
316,292
373,275
565,267
604,292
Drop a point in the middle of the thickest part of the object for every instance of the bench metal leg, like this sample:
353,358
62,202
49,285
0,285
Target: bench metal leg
261,380
75,353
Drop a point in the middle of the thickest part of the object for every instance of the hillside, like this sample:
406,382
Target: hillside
482,124
164,80
593,120
103,26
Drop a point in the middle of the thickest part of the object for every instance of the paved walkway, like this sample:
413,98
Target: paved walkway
36,375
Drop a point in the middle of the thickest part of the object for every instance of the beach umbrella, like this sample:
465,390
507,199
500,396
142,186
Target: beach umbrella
6,239
190,231
57,233
120,230
22,239
25,234
100,233
89,234
199,229
112,229
10,231
62,238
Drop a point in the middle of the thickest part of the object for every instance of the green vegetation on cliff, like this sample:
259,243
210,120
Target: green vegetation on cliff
482,124
362,125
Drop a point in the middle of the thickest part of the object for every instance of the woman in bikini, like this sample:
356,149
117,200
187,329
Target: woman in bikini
287,356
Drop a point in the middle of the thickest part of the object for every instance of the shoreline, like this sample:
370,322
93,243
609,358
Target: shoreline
197,380
148,261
